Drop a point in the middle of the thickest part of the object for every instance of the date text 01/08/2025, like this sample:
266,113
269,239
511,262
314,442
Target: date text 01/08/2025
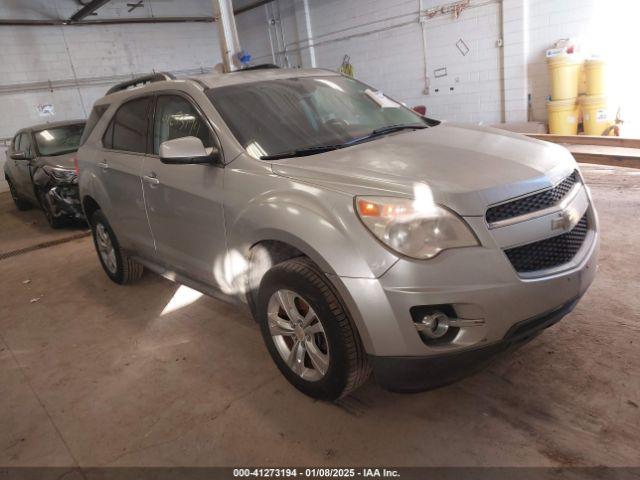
315,473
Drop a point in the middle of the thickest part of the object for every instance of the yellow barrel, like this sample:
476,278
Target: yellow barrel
582,82
564,71
563,116
595,116
594,73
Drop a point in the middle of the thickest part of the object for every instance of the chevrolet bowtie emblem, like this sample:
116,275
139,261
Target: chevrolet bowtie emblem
565,220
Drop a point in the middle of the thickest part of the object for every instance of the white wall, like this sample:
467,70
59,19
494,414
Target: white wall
31,54
384,40
382,37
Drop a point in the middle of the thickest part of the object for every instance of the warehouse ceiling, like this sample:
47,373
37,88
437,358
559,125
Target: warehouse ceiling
63,10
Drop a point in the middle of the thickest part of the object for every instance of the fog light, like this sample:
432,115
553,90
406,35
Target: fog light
433,325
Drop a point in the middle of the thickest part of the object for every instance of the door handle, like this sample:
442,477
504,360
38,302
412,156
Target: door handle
103,164
152,179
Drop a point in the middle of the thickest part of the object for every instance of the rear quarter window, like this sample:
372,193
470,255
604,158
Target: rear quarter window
96,114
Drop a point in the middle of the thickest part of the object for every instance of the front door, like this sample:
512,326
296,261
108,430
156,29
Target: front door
184,202
23,168
120,167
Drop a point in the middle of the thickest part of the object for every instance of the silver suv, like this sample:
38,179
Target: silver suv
360,235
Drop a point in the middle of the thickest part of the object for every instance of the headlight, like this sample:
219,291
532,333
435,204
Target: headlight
61,174
412,227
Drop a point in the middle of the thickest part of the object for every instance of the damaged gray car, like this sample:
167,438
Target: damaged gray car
41,170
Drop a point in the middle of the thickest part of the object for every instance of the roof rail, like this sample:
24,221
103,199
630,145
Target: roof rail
152,77
262,66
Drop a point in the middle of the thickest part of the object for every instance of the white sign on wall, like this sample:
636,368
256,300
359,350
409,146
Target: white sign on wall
45,110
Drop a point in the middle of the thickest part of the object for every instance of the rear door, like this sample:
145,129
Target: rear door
119,167
184,202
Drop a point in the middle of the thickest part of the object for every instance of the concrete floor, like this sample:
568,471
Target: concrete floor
92,374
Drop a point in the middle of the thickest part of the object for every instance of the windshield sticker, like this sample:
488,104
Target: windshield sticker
381,99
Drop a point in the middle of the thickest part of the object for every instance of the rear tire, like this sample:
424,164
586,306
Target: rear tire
342,365
20,203
119,266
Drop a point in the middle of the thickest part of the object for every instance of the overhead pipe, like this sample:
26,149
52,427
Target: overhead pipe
51,85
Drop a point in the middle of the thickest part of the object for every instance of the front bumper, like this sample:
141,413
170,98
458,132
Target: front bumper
64,201
481,288
416,374
479,283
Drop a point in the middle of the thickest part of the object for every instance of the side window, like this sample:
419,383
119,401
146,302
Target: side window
26,145
176,117
16,142
130,126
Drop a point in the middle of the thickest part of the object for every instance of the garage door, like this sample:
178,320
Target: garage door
463,60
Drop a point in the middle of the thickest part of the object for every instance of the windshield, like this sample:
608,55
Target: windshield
59,140
289,115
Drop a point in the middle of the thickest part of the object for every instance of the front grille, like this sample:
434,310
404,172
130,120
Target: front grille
551,252
532,203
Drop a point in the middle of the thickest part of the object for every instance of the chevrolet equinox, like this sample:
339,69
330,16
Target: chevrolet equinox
362,236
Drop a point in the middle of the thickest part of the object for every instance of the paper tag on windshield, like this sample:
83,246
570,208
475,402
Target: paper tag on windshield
381,99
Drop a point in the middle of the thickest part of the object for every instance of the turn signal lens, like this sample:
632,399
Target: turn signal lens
368,209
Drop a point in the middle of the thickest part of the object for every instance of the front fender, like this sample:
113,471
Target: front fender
90,185
319,222
41,179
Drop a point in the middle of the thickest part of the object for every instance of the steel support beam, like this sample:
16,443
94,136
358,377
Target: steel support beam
105,21
251,6
87,10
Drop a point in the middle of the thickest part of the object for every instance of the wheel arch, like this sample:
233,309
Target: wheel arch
270,251
89,206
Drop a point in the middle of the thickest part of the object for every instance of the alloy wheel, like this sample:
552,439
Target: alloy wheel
105,248
298,335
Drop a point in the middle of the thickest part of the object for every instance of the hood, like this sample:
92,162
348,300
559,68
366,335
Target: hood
61,161
466,167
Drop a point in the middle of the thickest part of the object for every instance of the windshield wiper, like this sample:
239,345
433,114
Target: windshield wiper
301,152
396,128
379,132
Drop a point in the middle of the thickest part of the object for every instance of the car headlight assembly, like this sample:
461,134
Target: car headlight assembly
413,228
61,174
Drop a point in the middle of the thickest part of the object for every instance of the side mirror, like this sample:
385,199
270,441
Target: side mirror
20,155
187,151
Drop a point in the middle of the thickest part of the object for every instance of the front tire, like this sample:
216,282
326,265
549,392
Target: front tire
308,331
118,265
52,220
20,203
